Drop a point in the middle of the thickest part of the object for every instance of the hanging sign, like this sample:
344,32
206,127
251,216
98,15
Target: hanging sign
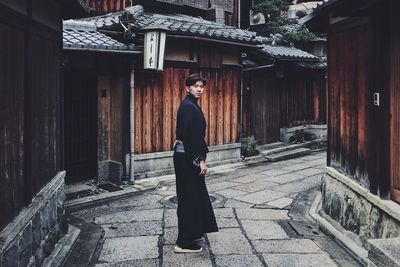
154,49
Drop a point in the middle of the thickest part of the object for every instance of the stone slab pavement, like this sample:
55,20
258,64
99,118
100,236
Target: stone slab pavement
262,214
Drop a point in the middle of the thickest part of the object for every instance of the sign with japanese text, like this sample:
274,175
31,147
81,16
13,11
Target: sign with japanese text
154,49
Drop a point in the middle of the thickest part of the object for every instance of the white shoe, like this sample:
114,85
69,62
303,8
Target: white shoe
178,249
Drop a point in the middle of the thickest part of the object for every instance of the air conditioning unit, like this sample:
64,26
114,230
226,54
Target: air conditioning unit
256,18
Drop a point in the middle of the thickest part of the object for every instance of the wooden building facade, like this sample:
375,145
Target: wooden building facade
158,96
96,106
136,108
363,115
283,94
31,161
362,67
30,85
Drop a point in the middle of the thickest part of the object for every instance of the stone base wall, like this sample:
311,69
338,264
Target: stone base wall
31,236
357,210
109,171
319,131
161,163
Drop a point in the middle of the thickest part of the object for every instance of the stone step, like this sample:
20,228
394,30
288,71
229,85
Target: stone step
385,252
288,154
280,147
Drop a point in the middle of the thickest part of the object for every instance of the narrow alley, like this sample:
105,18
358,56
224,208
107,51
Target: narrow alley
261,210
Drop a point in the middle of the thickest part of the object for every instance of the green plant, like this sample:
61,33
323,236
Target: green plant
300,136
301,34
271,9
249,145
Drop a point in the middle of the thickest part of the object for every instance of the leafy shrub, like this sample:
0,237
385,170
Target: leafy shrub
300,136
301,34
249,145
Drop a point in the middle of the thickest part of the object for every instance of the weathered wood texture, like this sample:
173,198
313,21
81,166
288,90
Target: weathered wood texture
30,88
12,62
348,87
106,6
262,92
395,109
209,56
271,103
157,99
45,88
110,115
80,124
303,100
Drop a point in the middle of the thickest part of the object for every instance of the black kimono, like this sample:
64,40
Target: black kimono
195,213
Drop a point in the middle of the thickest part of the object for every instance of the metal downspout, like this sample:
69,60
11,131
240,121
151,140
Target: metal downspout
241,107
132,126
239,12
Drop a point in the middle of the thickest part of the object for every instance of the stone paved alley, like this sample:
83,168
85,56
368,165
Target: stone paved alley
261,210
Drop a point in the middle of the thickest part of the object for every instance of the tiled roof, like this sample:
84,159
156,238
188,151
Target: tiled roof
287,52
312,65
80,35
135,18
322,5
110,20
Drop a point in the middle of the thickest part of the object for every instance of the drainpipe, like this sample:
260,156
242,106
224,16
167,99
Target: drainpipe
132,126
241,108
239,13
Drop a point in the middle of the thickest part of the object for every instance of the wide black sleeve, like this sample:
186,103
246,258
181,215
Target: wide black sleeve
195,146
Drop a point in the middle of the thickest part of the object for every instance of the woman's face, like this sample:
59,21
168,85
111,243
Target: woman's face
196,89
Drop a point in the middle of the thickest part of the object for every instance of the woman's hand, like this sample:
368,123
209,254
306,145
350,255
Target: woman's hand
203,168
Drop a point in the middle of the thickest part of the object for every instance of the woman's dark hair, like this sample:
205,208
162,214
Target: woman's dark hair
194,78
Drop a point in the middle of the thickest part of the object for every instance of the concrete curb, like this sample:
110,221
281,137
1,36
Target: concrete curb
63,248
358,252
104,197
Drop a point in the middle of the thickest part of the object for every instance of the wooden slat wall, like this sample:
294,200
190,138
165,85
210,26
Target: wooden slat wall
262,101
45,90
30,88
272,103
157,99
395,109
106,6
209,56
347,100
302,100
12,62
80,124
110,112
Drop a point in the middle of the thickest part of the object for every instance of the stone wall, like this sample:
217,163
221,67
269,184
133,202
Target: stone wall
161,163
357,210
319,131
109,171
31,236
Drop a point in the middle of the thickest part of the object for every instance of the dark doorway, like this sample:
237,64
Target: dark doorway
80,114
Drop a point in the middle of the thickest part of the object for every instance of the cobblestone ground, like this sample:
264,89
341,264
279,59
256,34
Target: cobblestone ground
261,213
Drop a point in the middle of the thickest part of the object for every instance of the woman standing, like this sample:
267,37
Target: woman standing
195,213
